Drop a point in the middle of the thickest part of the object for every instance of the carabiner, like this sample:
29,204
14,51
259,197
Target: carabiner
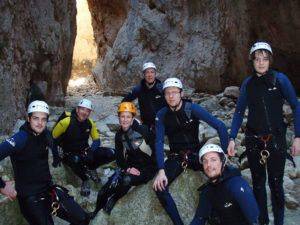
264,156
184,165
55,206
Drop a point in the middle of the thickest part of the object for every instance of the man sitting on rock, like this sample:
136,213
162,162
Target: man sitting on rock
180,122
72,134
149,94
226,199
135,158
38,197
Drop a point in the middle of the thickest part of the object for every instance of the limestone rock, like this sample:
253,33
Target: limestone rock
141,206
291,202
232,92
36,42
205,43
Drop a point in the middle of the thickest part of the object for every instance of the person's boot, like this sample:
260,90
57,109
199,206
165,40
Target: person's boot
110,204
92,174
85,188
92,215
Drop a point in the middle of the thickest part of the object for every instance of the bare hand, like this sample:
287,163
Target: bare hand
230,148
296,147
133,171
9,190
161,181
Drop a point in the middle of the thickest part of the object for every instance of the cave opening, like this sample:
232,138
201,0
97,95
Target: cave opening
84,52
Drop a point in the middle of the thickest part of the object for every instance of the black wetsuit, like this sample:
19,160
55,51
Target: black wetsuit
35,190
128,155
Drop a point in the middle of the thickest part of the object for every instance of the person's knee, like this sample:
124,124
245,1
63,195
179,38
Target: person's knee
161,194
110,153
126,181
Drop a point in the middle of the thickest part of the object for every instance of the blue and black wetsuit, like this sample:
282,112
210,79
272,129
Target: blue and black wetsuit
150,100
29,156
264,96
182,133
129,154
229,201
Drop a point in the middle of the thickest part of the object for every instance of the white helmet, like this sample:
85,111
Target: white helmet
172,82
85,103
148,65
210,148
38,106
260,45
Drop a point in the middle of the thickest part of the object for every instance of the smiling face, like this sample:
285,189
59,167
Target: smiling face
150,75
261,61
212,165
38,121
82,113
125,120
173,96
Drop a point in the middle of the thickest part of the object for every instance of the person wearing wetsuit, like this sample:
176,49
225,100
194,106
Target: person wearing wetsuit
38,197
135,158
149,94
180,122
72,134
264,93
227,198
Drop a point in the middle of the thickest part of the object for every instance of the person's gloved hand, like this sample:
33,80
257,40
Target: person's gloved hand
56,161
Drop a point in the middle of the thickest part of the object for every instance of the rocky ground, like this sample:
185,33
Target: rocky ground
140,206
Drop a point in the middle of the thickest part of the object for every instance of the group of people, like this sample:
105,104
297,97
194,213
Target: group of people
225,199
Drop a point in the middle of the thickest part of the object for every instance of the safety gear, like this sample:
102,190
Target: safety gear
260,46
210,148
38,106
127,107
148,65
172,82
85,103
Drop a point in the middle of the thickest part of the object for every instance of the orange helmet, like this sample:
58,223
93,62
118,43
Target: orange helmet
127,107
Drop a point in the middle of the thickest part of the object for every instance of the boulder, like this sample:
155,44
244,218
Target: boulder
141,206
232,92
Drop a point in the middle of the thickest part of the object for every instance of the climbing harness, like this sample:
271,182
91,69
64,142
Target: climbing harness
265,153
55,202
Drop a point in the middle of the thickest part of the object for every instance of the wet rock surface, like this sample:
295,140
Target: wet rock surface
141,206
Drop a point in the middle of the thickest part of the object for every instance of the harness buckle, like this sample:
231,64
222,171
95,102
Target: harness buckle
185,159
184,165
55,207
264,156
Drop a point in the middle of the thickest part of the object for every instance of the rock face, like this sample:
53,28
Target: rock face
205,43
36,45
